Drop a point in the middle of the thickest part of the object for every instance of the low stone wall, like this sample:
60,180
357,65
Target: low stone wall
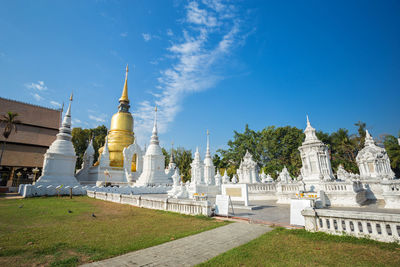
383,227
190,207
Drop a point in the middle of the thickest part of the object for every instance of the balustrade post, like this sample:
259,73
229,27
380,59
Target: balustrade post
395,233
384,232
357,231
339,225
347,223
373,228
365,227
331,225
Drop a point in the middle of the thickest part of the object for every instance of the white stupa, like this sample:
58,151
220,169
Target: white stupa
209,168
248,170
197,169
153,162
316,164
226,178
60,158
373,161
88,158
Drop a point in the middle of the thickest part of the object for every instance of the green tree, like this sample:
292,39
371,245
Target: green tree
81,138
183,159
360,138
344,150
272,148
217,161
393,150
10,121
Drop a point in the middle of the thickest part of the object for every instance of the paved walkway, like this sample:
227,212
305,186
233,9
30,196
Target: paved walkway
190,250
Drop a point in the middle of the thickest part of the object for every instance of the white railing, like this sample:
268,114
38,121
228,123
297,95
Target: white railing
290,187
383,227
261,188
190,207
342,186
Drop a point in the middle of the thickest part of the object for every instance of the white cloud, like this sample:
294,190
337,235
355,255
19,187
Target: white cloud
209,33
40,86
124,34
55,104
37,96
146,36
96,118
200,16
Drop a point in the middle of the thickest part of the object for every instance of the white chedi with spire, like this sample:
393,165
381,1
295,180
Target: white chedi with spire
176,178
316,164
209,169
154,162
248,170
88,158
197,169
105,155
225,178
218,178
60,158
373,161
171,165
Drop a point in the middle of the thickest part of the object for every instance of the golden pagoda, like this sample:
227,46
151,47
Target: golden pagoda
121,131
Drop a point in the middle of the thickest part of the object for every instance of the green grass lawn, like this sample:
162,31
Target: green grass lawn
282,247
41,231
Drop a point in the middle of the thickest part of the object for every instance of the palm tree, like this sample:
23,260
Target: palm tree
10,122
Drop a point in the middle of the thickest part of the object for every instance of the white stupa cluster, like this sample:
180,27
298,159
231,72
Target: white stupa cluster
59,167
375,182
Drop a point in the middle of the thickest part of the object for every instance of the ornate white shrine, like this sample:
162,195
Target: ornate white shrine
248,170
316,164
373,161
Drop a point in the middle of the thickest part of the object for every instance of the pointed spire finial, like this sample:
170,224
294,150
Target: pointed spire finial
68,113
368,139
208,144
308,121
172,159
155,121
154,137
124,96
105,150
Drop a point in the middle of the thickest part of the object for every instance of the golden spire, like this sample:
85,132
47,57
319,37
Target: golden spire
124,96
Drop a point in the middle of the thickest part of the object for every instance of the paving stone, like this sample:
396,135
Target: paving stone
190,250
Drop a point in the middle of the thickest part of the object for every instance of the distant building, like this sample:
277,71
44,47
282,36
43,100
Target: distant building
25,149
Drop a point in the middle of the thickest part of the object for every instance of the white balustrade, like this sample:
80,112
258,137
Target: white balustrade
261,188
383,227
190,207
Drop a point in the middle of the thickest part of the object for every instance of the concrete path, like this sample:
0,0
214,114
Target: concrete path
190,250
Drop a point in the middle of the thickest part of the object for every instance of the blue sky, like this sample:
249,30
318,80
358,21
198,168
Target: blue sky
208,64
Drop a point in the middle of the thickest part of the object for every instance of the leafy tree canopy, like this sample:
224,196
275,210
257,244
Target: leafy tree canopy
81,138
